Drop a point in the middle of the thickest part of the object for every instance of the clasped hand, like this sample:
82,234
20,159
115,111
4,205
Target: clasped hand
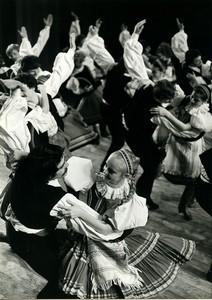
69,211
159,111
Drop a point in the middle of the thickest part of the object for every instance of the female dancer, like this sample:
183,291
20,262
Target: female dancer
187,125
103,257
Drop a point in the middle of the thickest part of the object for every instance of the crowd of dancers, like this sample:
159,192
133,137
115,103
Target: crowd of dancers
158,104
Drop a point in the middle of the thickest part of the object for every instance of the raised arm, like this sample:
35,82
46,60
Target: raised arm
94,44
179,43
62,69
25,47
124,35
133,54
75,25
43,36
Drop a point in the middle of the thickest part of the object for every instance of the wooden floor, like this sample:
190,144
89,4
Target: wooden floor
18,281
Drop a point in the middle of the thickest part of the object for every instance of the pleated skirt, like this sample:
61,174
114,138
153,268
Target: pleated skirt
157,257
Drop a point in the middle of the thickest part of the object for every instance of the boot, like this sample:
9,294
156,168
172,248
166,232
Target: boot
209,274
187,197
151,205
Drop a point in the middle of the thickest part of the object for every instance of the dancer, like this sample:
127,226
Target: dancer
187,125
203,190
101,259
30,229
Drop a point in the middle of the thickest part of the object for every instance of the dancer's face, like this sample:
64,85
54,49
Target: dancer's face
197,62
114,173
14,55
196,99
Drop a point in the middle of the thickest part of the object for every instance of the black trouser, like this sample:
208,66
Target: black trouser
113,118
203,194
150,158
41,253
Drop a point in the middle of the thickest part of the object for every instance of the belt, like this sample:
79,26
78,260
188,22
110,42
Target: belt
191,139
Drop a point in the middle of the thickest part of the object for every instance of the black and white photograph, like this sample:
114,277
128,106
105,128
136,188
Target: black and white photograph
105,149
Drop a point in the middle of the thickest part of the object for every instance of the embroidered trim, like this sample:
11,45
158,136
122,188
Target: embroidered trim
127,161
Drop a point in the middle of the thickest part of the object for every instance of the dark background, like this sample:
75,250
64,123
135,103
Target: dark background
160,14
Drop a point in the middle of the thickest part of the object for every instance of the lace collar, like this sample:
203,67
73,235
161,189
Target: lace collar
111,192
202,109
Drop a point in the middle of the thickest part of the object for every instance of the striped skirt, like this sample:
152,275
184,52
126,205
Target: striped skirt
156,256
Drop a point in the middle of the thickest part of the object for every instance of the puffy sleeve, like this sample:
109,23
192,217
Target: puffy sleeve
96,46
80,173
14,133
179,45
124,36
25,47
42,121
42,40
174,130
133,58
81,226
62,69
202,121
131,214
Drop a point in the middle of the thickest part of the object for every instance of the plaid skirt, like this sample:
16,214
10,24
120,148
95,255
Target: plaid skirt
157,257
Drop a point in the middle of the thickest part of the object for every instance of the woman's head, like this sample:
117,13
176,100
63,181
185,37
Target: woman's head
120,164
158,69
193,58
42,164
12,52
79,57
164,51
201,94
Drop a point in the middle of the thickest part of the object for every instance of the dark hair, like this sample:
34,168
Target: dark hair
29,185
164,49
164,90
190,55
30,62
39,166
205,92
145,43
79,40
28,79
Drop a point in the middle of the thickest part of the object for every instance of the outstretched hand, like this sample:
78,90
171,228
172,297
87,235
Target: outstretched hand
49,20
74,16
139,26
98,23
180,25
23,32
